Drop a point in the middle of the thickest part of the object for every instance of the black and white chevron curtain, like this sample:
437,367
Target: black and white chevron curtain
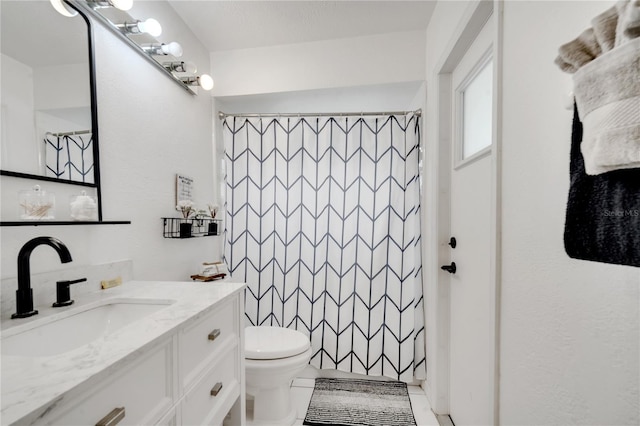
69,157
323,224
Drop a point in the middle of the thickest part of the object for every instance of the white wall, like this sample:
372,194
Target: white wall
150,129
357,61
379,97
569,328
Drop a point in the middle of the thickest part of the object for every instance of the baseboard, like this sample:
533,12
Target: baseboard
311,372
444,420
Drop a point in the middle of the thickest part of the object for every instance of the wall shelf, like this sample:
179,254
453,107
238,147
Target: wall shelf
176,227
63,222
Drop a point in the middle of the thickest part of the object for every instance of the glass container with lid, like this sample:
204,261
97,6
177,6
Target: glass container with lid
36,204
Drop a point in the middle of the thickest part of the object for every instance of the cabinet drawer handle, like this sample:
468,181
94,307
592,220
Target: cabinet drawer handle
215,333
113,418
216,389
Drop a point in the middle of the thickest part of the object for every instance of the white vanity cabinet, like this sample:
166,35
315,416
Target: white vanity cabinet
211,364
191,375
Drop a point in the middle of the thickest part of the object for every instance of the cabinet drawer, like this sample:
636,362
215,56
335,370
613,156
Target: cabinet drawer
144,389
201,341
169,419
200,406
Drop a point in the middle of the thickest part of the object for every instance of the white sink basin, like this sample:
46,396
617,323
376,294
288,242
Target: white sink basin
77,327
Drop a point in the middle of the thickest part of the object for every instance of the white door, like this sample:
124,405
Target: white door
471,322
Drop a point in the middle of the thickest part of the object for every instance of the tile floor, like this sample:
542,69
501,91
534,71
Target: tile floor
302,388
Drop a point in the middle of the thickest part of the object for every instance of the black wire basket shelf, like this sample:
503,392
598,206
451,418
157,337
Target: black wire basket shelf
175,227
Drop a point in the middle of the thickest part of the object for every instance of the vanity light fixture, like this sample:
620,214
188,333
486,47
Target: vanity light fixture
118,4
172,48
180,66
205,81
150,26
63,9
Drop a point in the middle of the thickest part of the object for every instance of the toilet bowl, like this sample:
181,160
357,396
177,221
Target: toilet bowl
274,356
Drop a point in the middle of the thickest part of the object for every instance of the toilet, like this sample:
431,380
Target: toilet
274,356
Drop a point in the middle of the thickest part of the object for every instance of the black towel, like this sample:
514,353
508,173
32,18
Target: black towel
603,211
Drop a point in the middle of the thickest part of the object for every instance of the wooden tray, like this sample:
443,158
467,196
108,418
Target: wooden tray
206,279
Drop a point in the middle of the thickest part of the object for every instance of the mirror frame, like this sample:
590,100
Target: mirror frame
94,124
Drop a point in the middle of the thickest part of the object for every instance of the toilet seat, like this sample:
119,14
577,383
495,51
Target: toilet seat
266,343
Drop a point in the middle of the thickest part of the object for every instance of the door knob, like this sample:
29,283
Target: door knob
449,268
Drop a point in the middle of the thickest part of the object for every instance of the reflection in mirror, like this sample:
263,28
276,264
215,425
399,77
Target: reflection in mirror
47,127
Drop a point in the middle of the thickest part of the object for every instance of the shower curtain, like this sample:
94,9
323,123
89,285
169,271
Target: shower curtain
323,224
69,156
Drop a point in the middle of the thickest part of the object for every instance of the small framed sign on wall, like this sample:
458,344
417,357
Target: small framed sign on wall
184,188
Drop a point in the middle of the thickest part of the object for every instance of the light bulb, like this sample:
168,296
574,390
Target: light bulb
189,67
63,9
122,4
172,48
205,81
151,27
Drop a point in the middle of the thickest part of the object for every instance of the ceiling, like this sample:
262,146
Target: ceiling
239,24
220,24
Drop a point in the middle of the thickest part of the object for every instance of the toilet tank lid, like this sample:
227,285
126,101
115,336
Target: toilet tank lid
266,342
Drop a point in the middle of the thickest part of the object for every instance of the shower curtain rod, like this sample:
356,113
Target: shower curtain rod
223,115
74,133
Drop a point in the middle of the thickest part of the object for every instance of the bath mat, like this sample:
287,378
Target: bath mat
356,402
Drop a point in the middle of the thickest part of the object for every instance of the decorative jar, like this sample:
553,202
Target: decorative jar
36,204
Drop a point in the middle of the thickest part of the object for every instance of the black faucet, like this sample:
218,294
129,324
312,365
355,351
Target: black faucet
24,294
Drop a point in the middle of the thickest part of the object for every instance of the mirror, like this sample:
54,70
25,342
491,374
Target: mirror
48,111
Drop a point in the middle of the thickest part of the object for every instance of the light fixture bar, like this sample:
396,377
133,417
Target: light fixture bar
180,66
83,6
118,4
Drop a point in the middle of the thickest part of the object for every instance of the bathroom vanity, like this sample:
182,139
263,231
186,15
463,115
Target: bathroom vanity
175,357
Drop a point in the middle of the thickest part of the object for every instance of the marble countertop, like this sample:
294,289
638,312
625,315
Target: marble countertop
31,384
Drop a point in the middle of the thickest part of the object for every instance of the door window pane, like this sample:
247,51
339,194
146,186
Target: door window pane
477,111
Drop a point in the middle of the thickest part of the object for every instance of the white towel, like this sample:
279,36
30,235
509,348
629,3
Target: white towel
211,269
606,61
607,92
593,42
628,26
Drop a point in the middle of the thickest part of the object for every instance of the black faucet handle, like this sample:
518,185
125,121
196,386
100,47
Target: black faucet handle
63,293
79,280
